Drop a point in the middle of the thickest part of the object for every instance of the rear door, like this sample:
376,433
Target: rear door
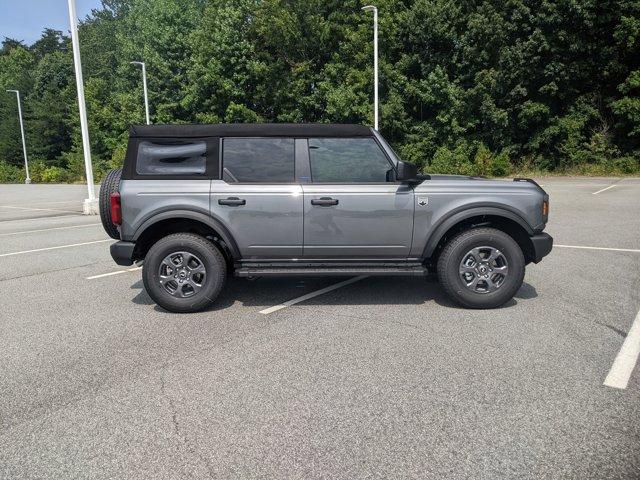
353,207
258,198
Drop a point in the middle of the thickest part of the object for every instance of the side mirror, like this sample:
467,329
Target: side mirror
407,172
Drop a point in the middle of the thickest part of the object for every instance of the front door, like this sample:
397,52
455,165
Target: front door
258,198
353,207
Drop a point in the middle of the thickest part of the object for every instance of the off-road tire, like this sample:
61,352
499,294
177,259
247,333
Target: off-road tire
455,251
109,185
205,251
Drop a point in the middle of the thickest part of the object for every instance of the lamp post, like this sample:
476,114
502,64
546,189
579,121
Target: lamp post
24,142
371,8
144,86
90,206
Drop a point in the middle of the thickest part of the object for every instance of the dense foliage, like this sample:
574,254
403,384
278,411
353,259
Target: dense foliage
480,87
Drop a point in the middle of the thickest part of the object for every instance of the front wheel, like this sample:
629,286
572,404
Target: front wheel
184,272
481,268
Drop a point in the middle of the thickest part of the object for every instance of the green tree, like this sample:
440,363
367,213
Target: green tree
16,64
465,87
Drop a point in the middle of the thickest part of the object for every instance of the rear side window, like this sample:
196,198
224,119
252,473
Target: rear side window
175,158
348,160
258,160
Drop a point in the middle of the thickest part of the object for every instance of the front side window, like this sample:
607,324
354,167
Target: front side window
258,160
348,160
176,158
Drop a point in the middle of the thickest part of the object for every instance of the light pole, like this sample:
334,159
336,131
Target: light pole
90,206
144,86
371,8
24,142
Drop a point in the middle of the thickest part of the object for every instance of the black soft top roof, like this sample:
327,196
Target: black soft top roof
251,130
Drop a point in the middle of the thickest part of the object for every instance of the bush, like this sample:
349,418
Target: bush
487,164
501,165
54,175
470,159
74,161
627,165
10,173
43,173
36,167
456,161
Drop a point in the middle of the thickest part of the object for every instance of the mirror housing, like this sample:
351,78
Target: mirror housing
407,172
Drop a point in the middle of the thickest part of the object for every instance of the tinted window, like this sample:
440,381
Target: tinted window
265,160
180,158
348,160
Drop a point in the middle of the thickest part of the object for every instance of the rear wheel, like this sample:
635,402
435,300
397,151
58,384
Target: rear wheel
184,272
481,268
109,185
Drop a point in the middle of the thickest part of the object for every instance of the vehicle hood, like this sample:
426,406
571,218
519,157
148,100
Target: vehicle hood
478,184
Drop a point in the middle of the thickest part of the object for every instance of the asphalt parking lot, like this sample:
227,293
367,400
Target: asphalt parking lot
378,378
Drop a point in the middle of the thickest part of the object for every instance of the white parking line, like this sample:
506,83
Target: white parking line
574,184
54,248
40,209
626,359
599,248
47,229
117,272
322,291
600,191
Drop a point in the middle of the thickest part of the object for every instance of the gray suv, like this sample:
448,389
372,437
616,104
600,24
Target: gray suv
195,202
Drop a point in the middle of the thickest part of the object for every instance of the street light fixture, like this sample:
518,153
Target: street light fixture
371,8
144,86
90,206
24,142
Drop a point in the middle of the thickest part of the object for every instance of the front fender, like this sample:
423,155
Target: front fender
466,212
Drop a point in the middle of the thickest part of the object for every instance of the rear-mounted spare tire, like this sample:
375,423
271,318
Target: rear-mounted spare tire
110,184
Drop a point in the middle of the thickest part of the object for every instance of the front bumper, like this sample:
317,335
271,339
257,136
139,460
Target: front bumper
542,245
122,252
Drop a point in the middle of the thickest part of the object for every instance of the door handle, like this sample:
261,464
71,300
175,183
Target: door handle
324,201
232,201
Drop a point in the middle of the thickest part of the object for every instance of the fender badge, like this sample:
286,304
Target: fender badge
422,201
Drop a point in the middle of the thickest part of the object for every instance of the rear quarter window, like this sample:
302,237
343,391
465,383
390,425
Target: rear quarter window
172,158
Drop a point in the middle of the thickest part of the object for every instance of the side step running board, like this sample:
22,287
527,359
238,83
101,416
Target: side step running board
413,271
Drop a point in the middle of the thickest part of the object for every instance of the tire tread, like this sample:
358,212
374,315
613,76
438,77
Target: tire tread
110,184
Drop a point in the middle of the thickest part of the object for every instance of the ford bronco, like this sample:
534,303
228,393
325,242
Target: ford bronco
196,202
